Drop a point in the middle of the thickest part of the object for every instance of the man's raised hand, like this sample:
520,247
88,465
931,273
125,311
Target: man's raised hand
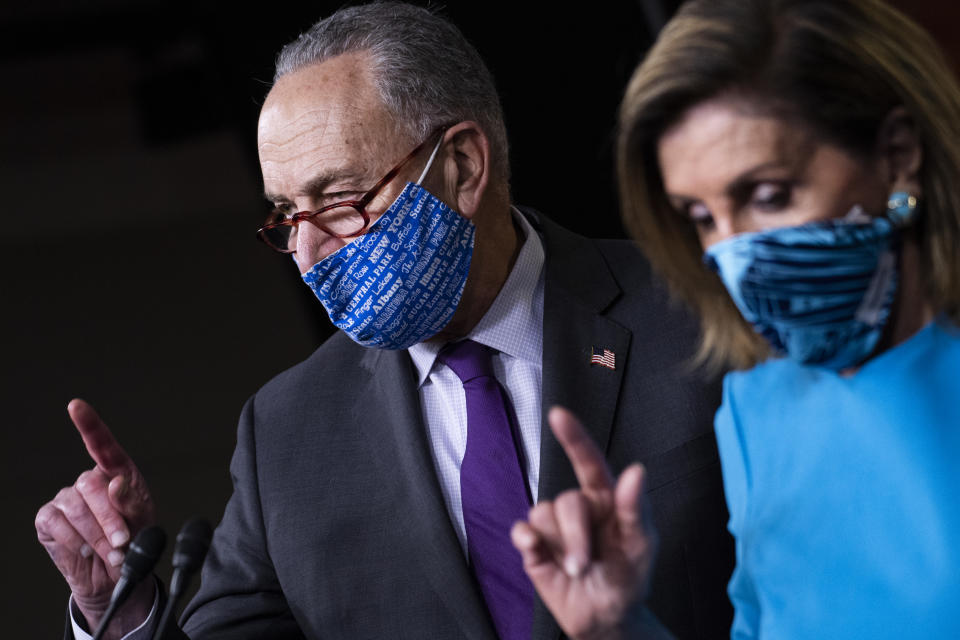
87,526
590,552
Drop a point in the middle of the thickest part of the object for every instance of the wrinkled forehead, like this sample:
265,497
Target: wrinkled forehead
334,98
757,119
323,116
722,137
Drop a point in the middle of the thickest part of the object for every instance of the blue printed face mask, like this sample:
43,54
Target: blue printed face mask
820,293
399,283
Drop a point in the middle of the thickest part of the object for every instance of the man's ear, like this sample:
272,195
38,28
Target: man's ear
900,152
467,166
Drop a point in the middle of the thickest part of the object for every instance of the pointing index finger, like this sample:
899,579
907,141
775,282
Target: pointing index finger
100,443
588,463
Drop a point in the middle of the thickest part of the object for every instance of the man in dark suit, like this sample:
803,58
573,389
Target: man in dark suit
353,514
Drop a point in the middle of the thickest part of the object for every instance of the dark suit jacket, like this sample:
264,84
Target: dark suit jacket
337,526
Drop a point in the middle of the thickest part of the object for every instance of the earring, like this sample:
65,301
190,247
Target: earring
901,207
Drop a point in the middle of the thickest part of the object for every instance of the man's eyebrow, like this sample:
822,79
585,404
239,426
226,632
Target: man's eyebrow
318,183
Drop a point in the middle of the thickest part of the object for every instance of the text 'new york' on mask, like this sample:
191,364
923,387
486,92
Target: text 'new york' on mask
820,293
400,282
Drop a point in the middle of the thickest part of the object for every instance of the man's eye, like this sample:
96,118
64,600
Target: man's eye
338,196
771,196
281,211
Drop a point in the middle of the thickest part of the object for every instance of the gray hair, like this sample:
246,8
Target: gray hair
427,74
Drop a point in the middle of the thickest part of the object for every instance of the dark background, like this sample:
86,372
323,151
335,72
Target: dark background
131,193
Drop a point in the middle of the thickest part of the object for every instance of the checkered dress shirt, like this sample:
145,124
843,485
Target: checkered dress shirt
513,327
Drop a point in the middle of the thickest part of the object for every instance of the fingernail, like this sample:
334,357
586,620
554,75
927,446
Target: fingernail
572,566
86,551
115,558
527,539
119,538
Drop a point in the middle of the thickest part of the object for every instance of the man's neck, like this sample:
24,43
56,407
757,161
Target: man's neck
494,256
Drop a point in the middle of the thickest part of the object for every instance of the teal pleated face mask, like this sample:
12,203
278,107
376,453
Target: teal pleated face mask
820,293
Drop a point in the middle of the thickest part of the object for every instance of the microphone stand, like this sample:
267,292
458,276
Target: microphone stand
140,560
193,542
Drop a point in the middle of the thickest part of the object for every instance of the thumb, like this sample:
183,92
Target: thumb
130,497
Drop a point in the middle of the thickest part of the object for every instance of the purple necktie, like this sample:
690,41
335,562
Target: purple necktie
493,489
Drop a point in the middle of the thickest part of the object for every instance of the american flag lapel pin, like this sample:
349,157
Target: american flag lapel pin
604,358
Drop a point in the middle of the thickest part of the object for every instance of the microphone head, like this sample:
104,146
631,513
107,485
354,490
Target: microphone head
193,541
143,553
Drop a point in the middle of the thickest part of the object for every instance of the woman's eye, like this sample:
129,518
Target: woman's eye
771,196
700,215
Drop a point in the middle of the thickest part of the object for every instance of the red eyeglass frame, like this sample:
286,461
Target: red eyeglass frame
358,205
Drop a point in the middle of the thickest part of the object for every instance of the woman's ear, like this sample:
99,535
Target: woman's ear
467,168
900,152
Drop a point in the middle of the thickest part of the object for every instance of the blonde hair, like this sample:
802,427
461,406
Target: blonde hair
838,67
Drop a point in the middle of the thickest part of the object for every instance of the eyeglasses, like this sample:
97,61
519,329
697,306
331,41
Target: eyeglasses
344,219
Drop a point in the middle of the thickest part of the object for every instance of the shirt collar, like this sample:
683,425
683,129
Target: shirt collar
512,325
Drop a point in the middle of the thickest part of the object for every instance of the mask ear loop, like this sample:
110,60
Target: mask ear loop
430,161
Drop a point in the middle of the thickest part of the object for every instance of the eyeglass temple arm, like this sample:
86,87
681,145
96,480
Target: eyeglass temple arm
370,195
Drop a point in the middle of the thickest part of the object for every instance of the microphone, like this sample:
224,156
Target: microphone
193,541
141,557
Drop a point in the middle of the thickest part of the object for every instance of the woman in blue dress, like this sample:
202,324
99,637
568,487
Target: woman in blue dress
793,169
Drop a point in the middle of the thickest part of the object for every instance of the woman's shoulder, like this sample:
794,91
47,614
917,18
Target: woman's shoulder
771,380
936,343
945,337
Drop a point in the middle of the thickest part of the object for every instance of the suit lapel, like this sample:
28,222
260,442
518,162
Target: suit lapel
391,419
578,289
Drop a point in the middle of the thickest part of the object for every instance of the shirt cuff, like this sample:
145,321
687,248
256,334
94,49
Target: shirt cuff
143,632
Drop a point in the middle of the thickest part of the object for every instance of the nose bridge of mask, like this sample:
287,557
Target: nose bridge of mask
821,232
401,197
433,154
